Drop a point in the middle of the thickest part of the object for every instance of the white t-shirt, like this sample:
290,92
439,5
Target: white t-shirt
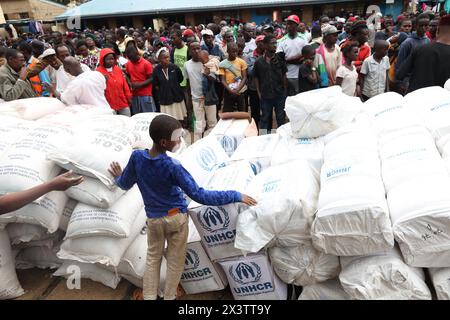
291,49
87,88
63,78
193,71
375,79
249,47
349,79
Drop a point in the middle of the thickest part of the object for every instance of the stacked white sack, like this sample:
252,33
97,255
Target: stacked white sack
440,277
287,200
230,133
252,278
11,130
328,290
202,158
433,106
200,274
447,85
352,216
32,108
416,183
290,149
257,150
318,112
75,114
117,221
103,250
10,287
95,144
217,224
303,265
382,276
388,112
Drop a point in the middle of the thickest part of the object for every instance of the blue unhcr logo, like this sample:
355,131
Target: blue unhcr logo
207,159
192,260
245,273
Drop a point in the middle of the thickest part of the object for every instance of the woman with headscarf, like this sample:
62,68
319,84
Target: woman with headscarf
117,92
167,78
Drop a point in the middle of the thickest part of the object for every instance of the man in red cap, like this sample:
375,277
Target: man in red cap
428,64
292,44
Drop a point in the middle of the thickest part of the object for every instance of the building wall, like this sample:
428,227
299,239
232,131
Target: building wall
37,10
2,17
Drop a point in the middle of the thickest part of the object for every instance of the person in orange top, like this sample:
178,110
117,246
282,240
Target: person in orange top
117,92
360,34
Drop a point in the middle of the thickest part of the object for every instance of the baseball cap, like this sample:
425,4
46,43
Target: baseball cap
207,32
329,29
267,26
47,53
188,33
293,18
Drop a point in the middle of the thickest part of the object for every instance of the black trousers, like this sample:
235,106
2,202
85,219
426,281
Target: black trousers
255,105
233,103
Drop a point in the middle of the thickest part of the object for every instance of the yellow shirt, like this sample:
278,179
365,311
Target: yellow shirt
239,66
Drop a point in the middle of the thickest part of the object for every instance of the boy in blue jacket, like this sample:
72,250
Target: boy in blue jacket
162,180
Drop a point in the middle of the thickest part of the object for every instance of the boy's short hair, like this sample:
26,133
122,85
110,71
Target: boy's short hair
349,47
162,127
307,50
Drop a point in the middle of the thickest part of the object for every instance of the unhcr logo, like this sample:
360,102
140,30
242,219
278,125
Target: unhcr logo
192,260
207,159
214,219
245,273
229,143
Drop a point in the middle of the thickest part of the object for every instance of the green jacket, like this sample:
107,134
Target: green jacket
11,87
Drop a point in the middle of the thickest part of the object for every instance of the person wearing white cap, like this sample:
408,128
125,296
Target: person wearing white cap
330,52
52,62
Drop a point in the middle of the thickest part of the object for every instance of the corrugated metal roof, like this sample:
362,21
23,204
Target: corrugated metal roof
108,8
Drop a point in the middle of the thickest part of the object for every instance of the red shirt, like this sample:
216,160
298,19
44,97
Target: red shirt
364,53
139,72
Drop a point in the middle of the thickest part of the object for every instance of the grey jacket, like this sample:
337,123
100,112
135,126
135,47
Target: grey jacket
11,87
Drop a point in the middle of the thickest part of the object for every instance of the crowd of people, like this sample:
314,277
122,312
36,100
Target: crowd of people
192,73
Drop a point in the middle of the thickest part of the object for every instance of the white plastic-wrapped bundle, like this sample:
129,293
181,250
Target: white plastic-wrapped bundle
217,224
318,112
10,287
252,278
416,182
45,212
257,150
95,144
230,133
433,106
101,249
117,221
90,271
303,265
202,158
287,199
382,276
440,277
352,216
289,149
389,112
34,108
328,290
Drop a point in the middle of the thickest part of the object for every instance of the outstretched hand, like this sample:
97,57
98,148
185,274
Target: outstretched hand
65,181
115,169
248,200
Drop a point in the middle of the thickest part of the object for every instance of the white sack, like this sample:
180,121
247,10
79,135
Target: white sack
66,214
88,271
38,257
230,133
382,276
217,225
440,277
328,290
35,108
11,130
10,287
318,112
101,249
303,265
257,150
287,200
25,232
252,278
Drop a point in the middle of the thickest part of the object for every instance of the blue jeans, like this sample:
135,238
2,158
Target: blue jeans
267,106
142,104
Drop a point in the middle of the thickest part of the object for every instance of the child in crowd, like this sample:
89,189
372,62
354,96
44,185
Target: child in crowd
346,74
308,77
212,64
233,72
162,180
374,72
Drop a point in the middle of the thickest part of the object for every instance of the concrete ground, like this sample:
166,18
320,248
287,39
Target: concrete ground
40,285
